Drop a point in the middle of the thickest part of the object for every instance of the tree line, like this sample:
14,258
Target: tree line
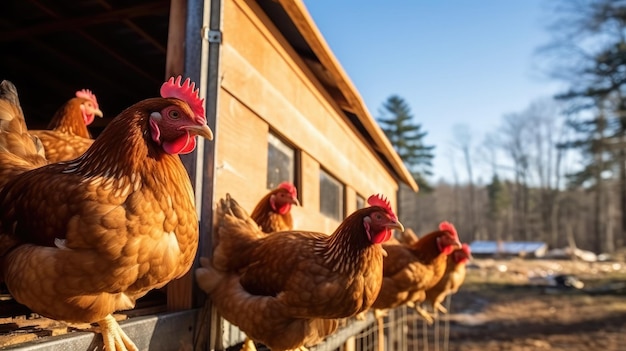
557,168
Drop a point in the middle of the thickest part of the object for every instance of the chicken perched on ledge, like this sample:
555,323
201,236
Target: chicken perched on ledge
291,286
273,212
68,136
411,269
82,239
452,279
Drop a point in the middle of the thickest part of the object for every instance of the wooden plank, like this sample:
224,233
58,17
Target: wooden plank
69,24
175,59
306,122
180,291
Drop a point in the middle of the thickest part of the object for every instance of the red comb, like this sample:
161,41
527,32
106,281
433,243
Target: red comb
290,188
381,201
186,92
448,227
87,94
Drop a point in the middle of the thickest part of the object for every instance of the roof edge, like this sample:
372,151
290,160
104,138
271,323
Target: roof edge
296,9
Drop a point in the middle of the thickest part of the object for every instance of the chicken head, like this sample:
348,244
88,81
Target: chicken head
380,223
89,107
176,126
286,196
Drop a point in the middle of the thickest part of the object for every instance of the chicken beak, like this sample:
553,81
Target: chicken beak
395,225
201,130
457,245
98,112
295,201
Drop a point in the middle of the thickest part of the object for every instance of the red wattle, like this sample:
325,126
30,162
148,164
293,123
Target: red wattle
183,145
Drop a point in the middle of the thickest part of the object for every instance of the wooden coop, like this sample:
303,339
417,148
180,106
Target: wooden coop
278,101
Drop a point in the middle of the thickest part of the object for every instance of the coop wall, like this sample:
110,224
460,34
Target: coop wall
266,87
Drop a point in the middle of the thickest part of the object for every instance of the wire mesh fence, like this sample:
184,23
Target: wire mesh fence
401,329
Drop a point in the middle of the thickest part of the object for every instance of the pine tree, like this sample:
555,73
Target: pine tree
406,137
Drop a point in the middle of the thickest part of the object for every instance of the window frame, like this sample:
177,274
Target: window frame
341,195
274,138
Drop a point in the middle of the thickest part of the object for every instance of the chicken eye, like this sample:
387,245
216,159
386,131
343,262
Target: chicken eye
173,114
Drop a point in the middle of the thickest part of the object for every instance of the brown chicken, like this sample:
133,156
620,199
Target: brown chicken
19,151
265,217
89,236
68,136
410,270
293,285
452,279
273,212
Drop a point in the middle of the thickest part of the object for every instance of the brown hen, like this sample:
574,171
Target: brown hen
90,236
452,279
273,212
68,136
410,270
293,285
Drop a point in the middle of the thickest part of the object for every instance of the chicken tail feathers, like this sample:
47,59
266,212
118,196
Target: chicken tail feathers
234,236
8,92
19,151
231,207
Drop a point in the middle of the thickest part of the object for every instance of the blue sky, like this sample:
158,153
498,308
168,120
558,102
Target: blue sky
455,62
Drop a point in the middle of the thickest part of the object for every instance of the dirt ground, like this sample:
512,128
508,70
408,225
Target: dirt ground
509,305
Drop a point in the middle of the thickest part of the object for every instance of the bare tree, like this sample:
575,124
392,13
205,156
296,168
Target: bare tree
514,141
546,131
463,142
589,52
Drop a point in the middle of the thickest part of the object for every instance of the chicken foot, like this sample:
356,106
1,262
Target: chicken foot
439,308
422,312
114,337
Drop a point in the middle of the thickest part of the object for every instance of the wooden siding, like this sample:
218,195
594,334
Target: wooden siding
264,83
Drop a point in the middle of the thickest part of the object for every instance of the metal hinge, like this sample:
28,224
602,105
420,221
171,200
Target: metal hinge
212,36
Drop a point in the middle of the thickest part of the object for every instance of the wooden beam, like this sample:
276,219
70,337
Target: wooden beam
179,292
100,45
72,24
175,59
135,28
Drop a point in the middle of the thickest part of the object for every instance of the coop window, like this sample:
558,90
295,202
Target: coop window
331,196
360,201
281,160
